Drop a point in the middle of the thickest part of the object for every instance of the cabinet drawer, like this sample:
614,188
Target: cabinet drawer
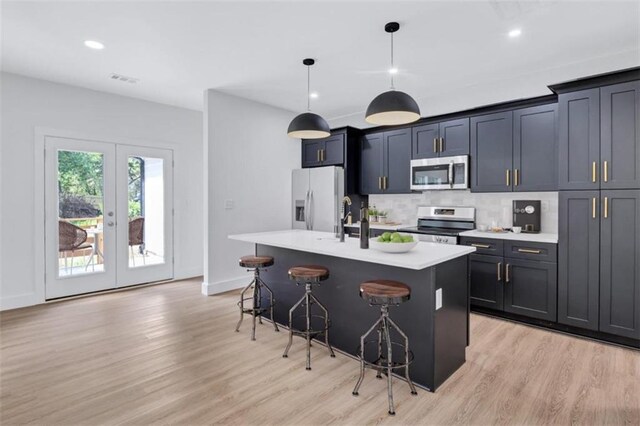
532,251
484,245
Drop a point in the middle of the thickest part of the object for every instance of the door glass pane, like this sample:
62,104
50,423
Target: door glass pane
146,211
80,212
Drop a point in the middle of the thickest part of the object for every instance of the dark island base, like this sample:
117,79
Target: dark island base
438,338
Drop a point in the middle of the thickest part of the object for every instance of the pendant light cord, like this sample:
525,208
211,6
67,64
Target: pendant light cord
308,88
392,86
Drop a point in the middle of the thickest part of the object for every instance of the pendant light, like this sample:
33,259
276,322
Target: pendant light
393,107
308,125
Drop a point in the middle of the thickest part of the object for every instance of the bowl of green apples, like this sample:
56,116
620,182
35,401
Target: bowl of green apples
393,242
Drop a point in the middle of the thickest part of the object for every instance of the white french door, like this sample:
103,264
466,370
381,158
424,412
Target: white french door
108,216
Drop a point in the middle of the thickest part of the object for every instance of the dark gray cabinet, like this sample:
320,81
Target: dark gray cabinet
385,162
599,266
492,152
371,163
530,288
535,148
620,263
328,151
578,259
485,281
516,277
445,139
579,140
620,136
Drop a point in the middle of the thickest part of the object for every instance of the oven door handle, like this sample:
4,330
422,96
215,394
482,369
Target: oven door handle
450,174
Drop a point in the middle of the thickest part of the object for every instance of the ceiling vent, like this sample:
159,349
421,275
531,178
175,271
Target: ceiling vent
123,78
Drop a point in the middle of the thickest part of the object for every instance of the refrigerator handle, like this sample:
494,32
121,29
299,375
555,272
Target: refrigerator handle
311,210
306,210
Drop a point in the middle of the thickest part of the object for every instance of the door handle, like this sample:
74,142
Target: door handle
508,177
435,144
441,143
606,207
484,246
318,155
385,182
507,277
594,171
311,210
499,271
529,251
593,207
605,174
322,156
380,182
450,174
306,210
516,177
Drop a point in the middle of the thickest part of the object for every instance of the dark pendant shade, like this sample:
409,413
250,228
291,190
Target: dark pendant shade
308,126
392,108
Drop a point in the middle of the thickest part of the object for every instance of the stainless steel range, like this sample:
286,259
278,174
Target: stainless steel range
443,224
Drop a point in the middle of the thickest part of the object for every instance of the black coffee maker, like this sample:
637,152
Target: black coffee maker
526,214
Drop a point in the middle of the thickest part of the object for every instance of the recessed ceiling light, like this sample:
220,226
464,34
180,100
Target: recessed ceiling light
515,33
393,70
313,95
92,44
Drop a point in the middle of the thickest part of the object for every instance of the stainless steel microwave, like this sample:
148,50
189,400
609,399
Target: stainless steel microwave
440,173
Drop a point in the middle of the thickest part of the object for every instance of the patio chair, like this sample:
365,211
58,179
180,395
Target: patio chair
136,238
70,239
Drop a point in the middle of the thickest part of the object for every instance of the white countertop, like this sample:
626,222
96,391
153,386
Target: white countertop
422,256
536,238
374,225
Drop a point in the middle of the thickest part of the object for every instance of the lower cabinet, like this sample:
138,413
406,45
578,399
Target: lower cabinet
530,288
520,286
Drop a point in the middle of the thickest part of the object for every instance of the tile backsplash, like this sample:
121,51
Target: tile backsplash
489,206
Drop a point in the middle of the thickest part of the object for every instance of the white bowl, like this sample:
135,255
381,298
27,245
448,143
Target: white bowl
392,247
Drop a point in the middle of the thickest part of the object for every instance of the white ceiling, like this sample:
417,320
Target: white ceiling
254,49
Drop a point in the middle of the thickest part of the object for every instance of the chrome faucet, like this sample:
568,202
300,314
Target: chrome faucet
346,201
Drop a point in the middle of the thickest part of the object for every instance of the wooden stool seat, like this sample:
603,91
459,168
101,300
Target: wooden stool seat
309,272
255,261
385,290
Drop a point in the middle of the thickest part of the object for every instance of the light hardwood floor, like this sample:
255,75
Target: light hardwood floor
166,354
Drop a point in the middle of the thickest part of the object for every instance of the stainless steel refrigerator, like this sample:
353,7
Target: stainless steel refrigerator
316,196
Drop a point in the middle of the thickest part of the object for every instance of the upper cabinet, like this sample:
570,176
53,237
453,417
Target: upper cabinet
492,152
620,135
329,151
445,139
535,148
599,138
385,162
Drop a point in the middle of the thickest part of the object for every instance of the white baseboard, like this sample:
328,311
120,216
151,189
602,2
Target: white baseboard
20,301
209,289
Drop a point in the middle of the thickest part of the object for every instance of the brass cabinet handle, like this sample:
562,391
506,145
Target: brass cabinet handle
499,271
321,155
508,177
594,171
485,246
605,174
529,251
508,277
441,143
379,182
385,182
606,207
593,207
516,176
435,144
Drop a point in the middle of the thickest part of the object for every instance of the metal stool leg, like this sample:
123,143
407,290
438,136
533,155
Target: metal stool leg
362,339
326,325
286,351
256,303
308,313
406,356
387,338
271,302
242,304
379,372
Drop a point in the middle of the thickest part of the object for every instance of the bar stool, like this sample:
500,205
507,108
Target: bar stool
309,275
255,263
385,293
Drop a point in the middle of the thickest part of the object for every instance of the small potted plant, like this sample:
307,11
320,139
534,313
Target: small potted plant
373,215
382,216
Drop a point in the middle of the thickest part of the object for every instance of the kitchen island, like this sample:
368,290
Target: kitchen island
436,318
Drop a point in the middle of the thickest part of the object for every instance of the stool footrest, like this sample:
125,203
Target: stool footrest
382,363
258,311
312,332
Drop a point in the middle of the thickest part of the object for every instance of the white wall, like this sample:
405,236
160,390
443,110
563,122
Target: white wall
29,103
248,161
